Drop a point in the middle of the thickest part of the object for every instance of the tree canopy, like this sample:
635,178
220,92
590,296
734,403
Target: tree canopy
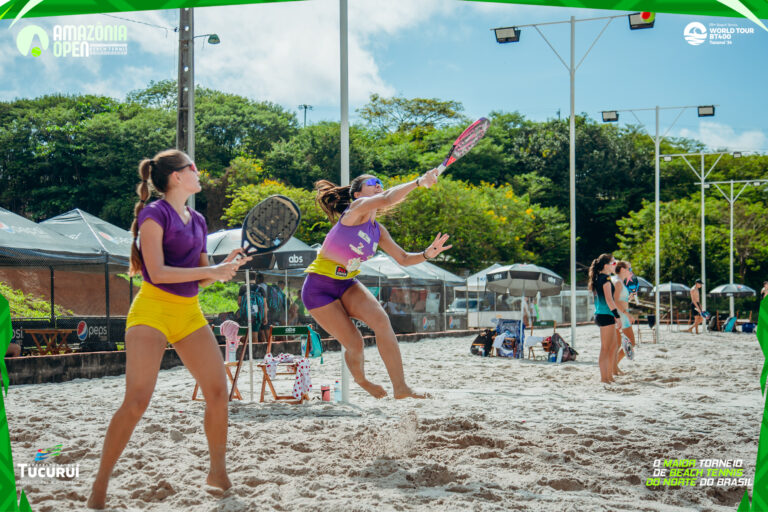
506,201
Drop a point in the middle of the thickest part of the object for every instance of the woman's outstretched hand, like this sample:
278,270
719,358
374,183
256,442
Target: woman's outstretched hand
438,245
428,179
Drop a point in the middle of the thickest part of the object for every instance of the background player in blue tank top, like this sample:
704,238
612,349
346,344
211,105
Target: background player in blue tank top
331,293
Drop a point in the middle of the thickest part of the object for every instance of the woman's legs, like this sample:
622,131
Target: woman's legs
144,349
335,319
607,354
361,304
201,355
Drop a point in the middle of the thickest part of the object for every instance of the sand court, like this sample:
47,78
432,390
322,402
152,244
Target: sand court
499,434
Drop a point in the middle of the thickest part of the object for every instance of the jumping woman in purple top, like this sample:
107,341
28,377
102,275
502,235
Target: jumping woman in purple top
169,251
332,294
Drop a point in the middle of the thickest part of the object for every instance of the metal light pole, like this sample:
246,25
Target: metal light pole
185,120
731,200
344,86
185,116
612,116
512,35
702,175
305,107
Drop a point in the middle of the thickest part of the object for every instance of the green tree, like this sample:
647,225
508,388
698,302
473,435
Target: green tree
401,114
680,241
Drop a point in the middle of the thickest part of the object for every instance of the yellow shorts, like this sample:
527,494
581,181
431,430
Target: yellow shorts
173,315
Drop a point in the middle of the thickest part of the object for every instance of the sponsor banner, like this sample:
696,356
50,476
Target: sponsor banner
295,259
13,9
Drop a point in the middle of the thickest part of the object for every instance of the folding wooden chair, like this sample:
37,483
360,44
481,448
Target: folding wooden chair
234,393
298,331
541,324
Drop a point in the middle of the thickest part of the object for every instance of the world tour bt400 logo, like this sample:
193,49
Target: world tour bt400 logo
696,33
73,40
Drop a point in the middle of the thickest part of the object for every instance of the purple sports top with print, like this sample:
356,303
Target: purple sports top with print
182,243
345,248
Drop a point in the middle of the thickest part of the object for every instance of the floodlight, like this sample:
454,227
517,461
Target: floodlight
639,20
610,116
706,111
214,39
507,34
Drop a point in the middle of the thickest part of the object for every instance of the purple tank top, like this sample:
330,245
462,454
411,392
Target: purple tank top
346,247
182,243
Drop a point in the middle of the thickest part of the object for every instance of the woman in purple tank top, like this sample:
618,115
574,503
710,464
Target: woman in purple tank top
170,252
331,293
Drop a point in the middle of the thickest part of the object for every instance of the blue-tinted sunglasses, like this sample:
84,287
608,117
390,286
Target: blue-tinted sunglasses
372,182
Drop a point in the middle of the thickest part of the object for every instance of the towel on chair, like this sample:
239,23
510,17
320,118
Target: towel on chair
271,363
303,383
230,329
532,341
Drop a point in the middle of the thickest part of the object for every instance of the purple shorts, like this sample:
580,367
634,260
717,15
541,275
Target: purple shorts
319,291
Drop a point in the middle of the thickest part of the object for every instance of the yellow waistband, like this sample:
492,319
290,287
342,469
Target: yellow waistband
150,291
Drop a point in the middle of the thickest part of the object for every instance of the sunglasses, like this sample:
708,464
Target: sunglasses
372,182
190,165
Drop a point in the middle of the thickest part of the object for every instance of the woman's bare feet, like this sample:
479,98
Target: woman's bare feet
409,393
375,390
98,498
220,480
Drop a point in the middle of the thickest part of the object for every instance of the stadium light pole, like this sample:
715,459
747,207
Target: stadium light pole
305,107
731,198
612,116
512,35
702,175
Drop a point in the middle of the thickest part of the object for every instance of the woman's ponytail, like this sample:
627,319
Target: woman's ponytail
595,268
142,190
332,199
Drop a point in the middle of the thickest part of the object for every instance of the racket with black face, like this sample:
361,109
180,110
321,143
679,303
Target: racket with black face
269,225
465,142
632,284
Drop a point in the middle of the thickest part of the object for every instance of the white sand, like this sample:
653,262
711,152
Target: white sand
500,434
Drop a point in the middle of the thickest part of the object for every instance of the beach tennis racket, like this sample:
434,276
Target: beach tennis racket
466,141
626,346
269,225
632,284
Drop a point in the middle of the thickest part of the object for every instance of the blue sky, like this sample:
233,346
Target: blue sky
288,53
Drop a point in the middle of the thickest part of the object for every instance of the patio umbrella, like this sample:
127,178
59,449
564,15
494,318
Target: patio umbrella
677,289
733,290
525,280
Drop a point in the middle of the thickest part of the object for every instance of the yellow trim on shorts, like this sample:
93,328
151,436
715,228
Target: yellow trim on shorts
175,316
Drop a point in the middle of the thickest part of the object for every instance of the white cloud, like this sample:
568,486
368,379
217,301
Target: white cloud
289,52
723,137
